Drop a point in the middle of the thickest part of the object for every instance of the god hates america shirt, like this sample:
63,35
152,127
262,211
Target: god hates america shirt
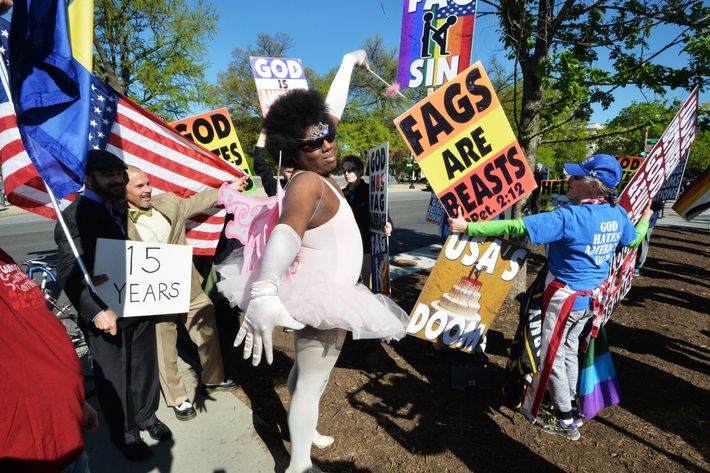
582,240
42,386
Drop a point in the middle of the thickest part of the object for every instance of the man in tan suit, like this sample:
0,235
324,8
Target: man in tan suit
161,219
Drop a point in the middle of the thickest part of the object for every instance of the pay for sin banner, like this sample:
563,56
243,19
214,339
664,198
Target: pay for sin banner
435,42
662,160
466,147
629,166
215,131
465,290
553,194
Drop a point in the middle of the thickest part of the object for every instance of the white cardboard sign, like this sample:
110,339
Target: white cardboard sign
144,278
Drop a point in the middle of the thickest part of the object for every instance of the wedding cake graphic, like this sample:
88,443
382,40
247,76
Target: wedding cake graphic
462,301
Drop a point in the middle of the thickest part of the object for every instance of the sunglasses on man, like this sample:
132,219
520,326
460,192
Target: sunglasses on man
309,146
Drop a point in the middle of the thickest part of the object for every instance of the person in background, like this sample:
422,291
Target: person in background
582,239
540,174
657,208
123,350
357,193
161,219
264,171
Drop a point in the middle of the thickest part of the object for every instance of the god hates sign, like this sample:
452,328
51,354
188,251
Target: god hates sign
378,172
215,131
144,278
465,289
644,185
275,76
466,148
662,160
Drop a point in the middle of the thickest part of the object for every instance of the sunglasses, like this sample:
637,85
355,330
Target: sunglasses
577,178
309,146
349,170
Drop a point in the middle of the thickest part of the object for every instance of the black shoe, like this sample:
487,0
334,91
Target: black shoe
136,450
185,411
158,431
226,385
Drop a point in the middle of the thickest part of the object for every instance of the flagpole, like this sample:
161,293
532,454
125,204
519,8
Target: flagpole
87,278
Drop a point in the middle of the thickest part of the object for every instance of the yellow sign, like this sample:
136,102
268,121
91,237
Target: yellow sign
465,289
553,194
465,146
214,130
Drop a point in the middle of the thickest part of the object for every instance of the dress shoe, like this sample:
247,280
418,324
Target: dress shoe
158,431
136,450
226,385
185,411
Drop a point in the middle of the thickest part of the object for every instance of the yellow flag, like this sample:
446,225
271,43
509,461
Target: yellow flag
81,30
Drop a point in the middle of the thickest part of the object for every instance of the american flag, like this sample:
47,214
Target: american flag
454,9
173,163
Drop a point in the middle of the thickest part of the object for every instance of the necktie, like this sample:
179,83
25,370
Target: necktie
134,214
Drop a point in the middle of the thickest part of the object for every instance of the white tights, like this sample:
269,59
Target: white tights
316,354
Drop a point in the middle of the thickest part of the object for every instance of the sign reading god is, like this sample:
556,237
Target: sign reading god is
466,148
275,76
144,278
465,289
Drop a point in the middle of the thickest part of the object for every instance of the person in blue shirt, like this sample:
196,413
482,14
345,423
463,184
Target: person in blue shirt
582,239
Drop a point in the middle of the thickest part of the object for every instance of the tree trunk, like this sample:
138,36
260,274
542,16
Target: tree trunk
529,142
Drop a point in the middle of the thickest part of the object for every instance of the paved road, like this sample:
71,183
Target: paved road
27,235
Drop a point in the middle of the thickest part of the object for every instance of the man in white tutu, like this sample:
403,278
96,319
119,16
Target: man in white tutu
317,238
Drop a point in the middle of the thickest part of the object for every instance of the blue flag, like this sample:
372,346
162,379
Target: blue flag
51,90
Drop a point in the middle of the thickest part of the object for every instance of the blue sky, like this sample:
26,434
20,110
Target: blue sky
324,30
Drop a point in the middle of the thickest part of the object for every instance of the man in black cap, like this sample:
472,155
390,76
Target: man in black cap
123,350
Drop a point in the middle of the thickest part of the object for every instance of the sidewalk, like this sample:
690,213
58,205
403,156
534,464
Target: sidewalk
222,438
672,220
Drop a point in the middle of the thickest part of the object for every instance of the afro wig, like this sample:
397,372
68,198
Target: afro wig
288,119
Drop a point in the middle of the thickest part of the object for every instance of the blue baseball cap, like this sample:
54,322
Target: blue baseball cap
602,166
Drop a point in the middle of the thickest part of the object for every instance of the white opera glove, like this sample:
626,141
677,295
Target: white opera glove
338,93
265,309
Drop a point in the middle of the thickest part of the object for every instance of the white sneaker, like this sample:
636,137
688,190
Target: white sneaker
323,441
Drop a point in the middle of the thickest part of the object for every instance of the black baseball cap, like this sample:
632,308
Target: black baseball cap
99,159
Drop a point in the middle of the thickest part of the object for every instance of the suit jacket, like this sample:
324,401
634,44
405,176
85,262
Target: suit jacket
177,210
87,221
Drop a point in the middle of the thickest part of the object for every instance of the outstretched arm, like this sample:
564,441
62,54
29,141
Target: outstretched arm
492,228
338,93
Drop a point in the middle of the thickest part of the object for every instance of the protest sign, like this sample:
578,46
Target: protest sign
644,185
696,199
378,172
435,43
629,166
275,76
144,278
670,189
465,289
464,144
553,194
662,160
214,130
435,212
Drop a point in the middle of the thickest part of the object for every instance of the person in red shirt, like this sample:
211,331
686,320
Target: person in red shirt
44,412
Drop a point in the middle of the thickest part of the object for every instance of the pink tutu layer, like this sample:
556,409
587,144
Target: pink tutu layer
315,300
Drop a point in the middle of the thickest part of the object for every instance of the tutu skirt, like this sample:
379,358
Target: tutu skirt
316,300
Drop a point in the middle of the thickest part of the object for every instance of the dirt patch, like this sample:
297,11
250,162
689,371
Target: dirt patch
391,407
